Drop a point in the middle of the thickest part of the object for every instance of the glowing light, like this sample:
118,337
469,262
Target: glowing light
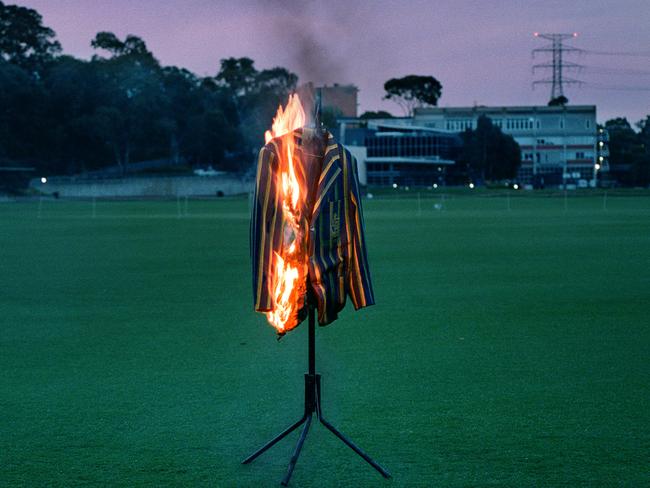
601,143
600,158
597,166
515,186
394,185
435,185
471,185
43,179
536,34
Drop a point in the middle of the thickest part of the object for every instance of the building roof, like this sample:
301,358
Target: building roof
423,111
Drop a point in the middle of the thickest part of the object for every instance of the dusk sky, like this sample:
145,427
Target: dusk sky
480,50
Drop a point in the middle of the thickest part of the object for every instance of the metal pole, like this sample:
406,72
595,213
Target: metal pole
312,340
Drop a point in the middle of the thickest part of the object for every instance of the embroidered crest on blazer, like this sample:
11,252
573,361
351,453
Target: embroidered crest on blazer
337,256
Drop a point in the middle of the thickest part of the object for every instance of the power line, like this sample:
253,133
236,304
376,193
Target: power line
601,86
642,54
617,71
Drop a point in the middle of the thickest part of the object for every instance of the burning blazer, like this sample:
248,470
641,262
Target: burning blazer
337,257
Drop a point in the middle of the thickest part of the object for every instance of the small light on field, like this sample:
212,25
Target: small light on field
597,166
394,185
435,185
471,185
515,186
600,158
601,143
43,179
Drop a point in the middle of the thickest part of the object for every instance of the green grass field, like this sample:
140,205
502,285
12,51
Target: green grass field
507,347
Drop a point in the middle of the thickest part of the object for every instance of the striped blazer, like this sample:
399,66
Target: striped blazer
337,257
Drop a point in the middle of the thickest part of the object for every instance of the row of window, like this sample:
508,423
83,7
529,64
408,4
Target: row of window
529,156
514,123
409,146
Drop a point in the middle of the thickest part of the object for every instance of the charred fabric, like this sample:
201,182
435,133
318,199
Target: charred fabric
307,229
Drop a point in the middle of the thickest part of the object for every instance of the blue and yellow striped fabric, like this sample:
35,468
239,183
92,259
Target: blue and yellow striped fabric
337,256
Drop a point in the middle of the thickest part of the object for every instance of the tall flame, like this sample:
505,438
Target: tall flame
289,266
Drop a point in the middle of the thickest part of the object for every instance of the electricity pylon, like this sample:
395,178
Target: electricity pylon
558,64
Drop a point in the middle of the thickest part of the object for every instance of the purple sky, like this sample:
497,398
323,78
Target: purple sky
480,50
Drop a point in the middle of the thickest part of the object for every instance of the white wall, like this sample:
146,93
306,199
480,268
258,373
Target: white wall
163,186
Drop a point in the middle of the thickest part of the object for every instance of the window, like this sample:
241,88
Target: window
580,155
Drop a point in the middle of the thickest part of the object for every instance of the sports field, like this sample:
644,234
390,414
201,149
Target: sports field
510,346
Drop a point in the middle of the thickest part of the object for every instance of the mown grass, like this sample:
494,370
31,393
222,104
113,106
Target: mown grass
507,347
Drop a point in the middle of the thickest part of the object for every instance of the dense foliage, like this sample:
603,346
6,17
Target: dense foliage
63,115
488,153
629,151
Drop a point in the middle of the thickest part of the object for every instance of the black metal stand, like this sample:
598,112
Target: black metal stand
312,405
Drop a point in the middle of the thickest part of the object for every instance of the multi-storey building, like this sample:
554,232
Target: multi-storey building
397,152
560,145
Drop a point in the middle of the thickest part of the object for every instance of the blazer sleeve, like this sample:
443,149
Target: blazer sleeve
264,229
359,282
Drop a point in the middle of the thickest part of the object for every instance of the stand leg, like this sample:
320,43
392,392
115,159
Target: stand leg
275,440
296,453
347,441
312,405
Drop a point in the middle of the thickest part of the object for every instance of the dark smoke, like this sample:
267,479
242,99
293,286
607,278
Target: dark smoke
302,29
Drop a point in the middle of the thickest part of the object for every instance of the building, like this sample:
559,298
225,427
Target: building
341,100
398,152
559,144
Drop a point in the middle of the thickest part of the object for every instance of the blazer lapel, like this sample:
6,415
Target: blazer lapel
331,170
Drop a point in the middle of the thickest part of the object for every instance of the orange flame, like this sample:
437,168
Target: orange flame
290,266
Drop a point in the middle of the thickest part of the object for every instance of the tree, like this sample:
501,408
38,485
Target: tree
488,153
130,115
380,114
558,101
238,75
24,40
642,167
626,152
255,96
413,91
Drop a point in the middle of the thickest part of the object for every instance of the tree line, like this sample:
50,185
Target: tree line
63,115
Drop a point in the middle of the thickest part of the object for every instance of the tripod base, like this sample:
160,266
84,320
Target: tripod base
312,406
